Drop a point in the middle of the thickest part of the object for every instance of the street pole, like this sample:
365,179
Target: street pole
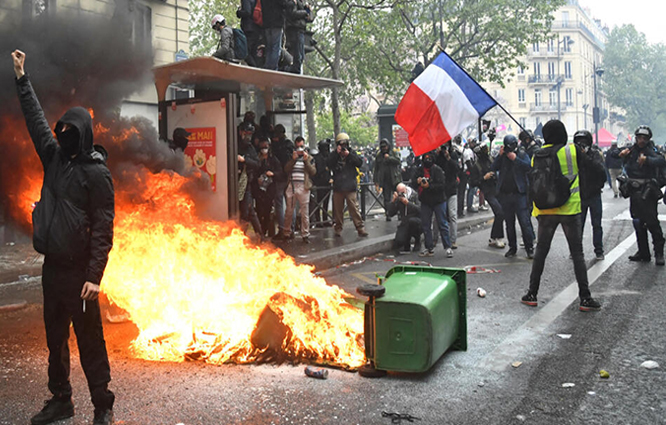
559,83
595,111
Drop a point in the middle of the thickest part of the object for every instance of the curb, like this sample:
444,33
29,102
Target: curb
330,258
20,305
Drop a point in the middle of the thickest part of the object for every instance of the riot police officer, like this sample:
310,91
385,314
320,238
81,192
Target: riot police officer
642,164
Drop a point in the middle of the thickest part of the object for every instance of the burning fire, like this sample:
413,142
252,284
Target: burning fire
200,290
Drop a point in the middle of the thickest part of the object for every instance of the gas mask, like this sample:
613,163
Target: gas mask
70,141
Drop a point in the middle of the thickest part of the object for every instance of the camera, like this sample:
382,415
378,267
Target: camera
425,180
300,152
401,195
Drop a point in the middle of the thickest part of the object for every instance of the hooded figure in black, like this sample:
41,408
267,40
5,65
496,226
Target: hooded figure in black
73,228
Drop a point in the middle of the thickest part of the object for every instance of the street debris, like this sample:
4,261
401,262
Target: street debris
564,336
313,372
604,374
481,292
397,418
650,364
388,259
479,270
568,385
521,418
591,393
516,364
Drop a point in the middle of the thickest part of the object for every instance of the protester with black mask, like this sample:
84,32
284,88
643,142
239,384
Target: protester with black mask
73,228
386,173
248,162
429,183
322,182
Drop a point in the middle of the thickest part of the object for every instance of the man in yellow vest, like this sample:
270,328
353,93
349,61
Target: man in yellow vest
568,215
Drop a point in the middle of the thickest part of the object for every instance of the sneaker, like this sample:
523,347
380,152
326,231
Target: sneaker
615,195
449,253
659,260
510,253
529,299
472,210
600,256
54,410
427,253
104,417
362,233
483,208
388,218
280,237
417,247
530,254
306,239
589,304
454,245
499,243
640,257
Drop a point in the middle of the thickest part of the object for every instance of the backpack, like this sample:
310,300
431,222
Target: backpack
549,188
240,44
257,14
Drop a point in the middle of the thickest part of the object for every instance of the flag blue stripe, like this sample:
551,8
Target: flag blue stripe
479,99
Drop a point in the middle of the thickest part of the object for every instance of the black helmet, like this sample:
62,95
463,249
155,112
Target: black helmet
643,130
583,138
526,136
510,143
246,126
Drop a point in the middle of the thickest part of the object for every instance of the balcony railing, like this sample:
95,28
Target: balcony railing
542,79
546,107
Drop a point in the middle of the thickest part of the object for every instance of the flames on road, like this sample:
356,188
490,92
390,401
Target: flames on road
200,290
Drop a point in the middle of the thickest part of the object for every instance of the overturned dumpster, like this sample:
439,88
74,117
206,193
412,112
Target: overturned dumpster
412,318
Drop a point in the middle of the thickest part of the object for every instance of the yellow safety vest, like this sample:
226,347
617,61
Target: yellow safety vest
569,166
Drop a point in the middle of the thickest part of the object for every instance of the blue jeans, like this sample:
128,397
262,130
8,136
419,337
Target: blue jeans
279,202
594,204
296,41
440,216
470,197
514,205
273,38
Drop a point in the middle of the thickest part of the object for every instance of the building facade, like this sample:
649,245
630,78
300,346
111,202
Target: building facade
162,23
559,80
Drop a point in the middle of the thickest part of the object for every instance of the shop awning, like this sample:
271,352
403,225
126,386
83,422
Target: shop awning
606,138
211,74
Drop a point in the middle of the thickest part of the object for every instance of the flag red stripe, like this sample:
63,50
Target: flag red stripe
419,116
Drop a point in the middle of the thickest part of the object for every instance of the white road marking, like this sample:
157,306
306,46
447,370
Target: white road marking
523,337
625,215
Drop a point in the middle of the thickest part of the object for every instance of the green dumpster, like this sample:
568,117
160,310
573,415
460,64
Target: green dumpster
414,317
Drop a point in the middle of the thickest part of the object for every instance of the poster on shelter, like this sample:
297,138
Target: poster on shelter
200,152
400,137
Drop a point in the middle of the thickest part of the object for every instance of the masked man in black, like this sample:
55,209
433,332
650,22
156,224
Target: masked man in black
73,228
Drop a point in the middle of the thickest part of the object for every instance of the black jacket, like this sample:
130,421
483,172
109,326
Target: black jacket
481,168
273,12
434,194
593,174
405,212
73,220
323,176
283,149
344,170
297,16
245,12
451,169
251,164
613,159
650,167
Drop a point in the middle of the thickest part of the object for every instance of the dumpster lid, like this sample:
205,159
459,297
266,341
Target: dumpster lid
208,73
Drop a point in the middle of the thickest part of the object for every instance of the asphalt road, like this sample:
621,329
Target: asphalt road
478,386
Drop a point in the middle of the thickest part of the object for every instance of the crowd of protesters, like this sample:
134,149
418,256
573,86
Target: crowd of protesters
271,34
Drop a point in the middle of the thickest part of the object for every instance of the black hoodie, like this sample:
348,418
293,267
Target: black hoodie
73,220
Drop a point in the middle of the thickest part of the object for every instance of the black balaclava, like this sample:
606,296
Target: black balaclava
428,161
79,137
384,146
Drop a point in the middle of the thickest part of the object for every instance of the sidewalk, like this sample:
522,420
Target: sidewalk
326,250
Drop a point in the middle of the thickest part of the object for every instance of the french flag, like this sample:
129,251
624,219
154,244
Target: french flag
440,104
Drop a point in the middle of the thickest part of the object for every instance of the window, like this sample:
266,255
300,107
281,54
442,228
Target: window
521,70
538,121
552,97
537,97
565,19
35,8
551,45
537,69
551,70
535,47
569,97
566,44
521,95
523,122
567,70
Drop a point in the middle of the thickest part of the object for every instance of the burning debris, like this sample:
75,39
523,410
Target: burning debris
196,289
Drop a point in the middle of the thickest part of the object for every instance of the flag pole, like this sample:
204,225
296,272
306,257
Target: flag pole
479,85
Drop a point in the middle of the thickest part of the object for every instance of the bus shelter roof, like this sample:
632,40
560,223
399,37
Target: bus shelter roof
211,74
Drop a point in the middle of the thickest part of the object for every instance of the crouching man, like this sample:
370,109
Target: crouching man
404,204
73,228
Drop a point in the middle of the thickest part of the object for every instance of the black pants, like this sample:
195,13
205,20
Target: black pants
497,231
63,305
264,206
514,205
323,199
409,228
644,215
571,225
462,188
387,193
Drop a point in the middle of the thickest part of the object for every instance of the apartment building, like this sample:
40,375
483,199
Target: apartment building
162,23
559,79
